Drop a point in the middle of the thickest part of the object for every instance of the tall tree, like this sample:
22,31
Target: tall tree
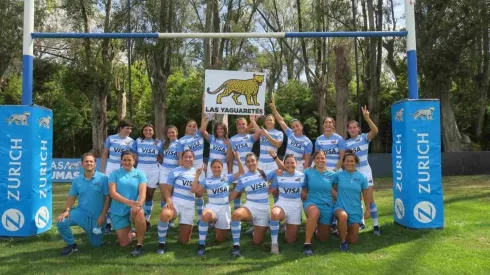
343,77
483,74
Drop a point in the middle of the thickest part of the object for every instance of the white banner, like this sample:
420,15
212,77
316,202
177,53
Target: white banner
234,93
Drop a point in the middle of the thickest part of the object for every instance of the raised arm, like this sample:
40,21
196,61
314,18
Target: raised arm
278,117
279,162
256,127
204,126
374,130
241,169
274,142
195,183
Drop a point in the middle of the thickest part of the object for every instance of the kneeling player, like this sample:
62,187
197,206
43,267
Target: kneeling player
349,184
218,210
289,206
93,202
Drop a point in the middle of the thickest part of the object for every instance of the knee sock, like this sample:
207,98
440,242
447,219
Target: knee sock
374,213
203,232
274,226
199,207
236,228
148,207
162,231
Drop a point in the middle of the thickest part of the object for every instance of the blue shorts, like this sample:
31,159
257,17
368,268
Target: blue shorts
326,212
120,222
352,218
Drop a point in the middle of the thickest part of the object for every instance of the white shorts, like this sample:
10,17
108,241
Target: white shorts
268,167
260,213
366,171
152,175
163,175
209,173
235,170
185,211
292,209
111,167
222,213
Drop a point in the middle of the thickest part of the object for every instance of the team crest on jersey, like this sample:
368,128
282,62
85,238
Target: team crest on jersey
298,180
333,141
18,119
357,140
44,122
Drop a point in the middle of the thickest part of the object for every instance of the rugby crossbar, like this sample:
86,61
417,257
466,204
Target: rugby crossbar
221,35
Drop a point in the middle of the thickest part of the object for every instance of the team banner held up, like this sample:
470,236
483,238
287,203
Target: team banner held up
234,93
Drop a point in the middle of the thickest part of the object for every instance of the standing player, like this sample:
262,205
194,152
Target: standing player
170,158
332,144
219,145
243,143
318,204
127,188
113,147
349,185
289,206
180,202
299,145
148,149
193,140
359,144
256,209
93,203
271,139
218,210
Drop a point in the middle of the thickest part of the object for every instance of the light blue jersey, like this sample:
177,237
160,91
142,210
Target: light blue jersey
265,145
195,143
360,147
127,185
217,149
116,145
331,146
298,146
255,186
290,185
243,144
170,157
349,188
181,180
319,186
148,151
91,193
218,188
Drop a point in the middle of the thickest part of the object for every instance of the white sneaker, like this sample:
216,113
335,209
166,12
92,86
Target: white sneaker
275,249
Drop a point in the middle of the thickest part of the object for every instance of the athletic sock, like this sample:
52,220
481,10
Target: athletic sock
162,231
148,207
199,207
237,203
236,228
203,232
274,226
374,213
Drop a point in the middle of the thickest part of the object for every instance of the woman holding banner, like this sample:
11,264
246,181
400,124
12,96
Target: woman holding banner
148,150
359,144
127,188
298,145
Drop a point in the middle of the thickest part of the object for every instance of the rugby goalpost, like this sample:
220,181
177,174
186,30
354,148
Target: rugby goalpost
417,200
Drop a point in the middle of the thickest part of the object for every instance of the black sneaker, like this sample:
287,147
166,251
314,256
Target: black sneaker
236,251
108,228
161,248
148,226
201,250
308,250
137,251
69,249
376,231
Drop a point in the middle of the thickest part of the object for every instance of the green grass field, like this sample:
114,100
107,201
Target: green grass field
463,247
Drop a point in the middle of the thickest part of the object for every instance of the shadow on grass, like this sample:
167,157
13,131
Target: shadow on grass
460,198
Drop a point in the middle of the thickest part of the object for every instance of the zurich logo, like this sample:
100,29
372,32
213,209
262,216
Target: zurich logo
12,220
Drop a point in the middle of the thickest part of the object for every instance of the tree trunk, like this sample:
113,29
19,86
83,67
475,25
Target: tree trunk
99,122
121,99
342,79
483,78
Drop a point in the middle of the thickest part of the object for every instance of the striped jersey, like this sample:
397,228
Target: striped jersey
331,146
242,143
255,186
298,146
116,145
265,145
290,185
181,179
170,157
195,143
217,149
218,188
360,147
148,151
